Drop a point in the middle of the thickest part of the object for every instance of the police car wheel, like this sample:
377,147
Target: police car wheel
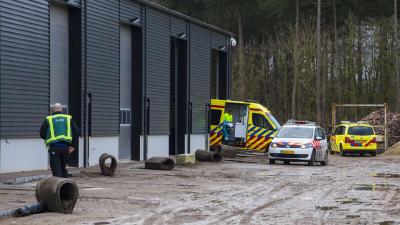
326,160
286,162
271,161
373,154
312,159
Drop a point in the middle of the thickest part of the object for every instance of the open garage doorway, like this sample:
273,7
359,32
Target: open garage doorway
130,92
219,74
178,96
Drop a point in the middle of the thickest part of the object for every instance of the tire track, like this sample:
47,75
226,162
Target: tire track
247,217
152,219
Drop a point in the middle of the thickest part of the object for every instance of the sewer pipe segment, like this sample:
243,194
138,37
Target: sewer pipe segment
227,151
58,194
105,169
202,155
159,163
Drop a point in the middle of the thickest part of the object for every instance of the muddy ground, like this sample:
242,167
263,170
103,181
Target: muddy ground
231,192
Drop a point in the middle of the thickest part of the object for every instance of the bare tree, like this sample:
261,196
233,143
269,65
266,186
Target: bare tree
296,61
318,69
336,61
241,72
396,55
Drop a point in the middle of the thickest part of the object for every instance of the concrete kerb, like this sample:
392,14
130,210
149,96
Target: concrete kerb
27,177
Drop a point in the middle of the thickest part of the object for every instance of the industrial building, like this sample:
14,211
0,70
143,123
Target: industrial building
136,77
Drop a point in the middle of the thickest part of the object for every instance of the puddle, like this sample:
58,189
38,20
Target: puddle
325,207
386,222
94,189
349,201
386,175
101,223
352,216
372,187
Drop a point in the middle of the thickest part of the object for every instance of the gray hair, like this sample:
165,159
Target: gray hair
57,107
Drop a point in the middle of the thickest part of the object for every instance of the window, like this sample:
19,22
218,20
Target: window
361,130
274,121
215,117
319,132
343,130
295,132
322,131
259,120
340,130
125,117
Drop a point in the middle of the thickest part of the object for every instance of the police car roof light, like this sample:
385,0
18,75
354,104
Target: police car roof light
291,121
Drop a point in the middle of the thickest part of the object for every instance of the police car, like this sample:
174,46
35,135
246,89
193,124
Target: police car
299,141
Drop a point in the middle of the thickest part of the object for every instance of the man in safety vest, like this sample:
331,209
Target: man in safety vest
228,123
61,137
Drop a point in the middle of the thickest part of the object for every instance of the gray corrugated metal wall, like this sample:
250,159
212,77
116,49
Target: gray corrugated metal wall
130,10
24,64
200,66
218,40
158,70
178,26
103,65
24,31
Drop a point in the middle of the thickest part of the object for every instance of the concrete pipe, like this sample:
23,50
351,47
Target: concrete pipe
105,169
159,163
58,194
202,155
228,151
27,210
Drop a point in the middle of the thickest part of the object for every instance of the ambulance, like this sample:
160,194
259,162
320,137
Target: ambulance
253,125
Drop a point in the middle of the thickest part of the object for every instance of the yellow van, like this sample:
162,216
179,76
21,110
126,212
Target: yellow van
253,126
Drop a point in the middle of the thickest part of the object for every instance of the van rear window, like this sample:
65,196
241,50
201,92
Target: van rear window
215,116
360,130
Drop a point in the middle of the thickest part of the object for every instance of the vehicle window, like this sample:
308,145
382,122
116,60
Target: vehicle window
322,133
215,116
361,130
259,120
317,133
295,132
337,130
341,130
274,121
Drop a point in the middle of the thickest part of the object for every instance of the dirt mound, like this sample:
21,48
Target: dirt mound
393,122
394,150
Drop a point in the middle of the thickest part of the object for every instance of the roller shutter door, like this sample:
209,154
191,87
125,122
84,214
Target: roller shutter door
59,62
125,136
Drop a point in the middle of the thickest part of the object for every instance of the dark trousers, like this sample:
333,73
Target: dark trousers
58,160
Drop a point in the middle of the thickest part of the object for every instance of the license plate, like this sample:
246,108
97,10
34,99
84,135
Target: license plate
287,152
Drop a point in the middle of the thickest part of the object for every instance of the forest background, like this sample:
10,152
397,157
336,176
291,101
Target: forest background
298,57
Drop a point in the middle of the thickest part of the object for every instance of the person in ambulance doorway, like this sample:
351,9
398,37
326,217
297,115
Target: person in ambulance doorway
227,124
60,134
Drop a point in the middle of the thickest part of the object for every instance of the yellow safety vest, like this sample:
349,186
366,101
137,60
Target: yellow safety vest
59,129
228,118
